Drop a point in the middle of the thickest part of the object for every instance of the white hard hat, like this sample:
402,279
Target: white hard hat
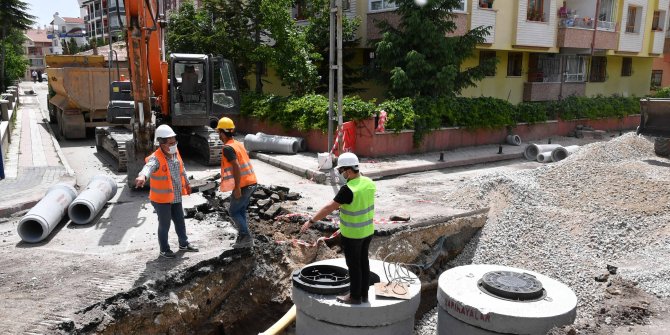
164,131
347,159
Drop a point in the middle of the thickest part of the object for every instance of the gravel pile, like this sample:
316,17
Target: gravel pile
609,203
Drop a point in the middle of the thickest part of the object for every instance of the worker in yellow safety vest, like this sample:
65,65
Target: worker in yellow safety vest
165,169
238,177
356,202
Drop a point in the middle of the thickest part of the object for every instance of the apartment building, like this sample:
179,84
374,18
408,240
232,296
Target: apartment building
36,46
66,29
550,49
175,4
99,14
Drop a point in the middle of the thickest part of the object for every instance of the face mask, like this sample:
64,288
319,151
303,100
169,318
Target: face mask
172,150
343,180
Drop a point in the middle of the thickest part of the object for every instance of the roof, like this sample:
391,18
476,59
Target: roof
37,36
73,20
119,47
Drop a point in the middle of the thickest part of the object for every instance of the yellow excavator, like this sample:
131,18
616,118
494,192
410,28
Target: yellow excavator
189,92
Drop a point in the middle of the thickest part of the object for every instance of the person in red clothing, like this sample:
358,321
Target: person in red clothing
165,169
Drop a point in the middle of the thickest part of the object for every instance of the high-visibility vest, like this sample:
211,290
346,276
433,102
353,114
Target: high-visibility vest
357,218
247,175
160,187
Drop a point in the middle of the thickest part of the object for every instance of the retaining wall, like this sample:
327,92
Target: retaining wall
375,144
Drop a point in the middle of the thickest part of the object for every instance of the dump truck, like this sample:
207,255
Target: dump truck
655,121
79,93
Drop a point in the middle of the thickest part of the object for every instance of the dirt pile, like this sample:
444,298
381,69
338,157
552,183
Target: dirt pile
609,203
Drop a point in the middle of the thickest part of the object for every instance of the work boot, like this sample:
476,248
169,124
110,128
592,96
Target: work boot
347,299
244,241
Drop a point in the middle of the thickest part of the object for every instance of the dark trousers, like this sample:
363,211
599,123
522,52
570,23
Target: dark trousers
167,213
356,256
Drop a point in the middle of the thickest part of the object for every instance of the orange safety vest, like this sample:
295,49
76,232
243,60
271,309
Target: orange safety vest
160,189
247,175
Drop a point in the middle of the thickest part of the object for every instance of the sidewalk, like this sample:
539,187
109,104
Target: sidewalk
34,161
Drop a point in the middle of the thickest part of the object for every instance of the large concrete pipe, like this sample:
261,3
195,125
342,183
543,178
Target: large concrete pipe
513,139
270,143
562,153
532,150
302,145
45,216
544,157
89,202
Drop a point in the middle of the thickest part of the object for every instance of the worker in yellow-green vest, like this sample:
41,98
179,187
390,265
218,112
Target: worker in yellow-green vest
356,202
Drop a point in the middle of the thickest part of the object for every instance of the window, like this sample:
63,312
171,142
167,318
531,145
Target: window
659,19
300,10
382,4
461,6
485,3
484,56
627,67
544,68
632,25
598,69
514,62
536,10
575,69
656,78
607,16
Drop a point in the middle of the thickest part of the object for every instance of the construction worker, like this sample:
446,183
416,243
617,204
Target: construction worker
238,177
356,202
165,169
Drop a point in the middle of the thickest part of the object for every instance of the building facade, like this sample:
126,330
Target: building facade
104,19
65,31
36,46
547,49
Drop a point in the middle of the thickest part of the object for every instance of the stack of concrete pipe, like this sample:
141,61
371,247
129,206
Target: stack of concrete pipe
546,153
274,143
61,199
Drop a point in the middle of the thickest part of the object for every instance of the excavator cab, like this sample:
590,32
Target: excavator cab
190,89
226,96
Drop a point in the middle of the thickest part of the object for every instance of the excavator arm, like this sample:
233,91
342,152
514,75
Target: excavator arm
148,74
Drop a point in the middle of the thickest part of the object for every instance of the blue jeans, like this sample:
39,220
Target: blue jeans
238,209
167,213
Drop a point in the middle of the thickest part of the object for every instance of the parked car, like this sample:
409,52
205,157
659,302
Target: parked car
45,76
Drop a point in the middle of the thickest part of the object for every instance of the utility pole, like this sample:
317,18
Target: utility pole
335,67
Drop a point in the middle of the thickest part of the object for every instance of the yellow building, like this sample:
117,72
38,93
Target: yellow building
546,48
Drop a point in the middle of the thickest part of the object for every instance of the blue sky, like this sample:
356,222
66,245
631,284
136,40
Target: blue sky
45,9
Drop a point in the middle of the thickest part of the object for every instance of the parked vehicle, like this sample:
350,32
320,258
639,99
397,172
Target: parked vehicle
655,121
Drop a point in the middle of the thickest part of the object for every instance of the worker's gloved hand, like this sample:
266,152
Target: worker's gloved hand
237,193
306,226
139,181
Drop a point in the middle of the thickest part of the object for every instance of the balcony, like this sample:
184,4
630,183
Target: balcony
658,42
536,27
571,35
373,32
551,91
484,17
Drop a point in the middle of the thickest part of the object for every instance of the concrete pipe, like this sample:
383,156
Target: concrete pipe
270,143
45,216
562,153
544,157
513,139
302,145
90,201
532,150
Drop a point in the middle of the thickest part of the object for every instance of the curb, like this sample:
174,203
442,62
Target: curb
316,176
29,202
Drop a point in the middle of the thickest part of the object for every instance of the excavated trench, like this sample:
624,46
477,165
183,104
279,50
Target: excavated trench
244,291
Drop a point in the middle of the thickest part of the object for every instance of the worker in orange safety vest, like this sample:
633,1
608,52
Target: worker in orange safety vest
238,177
165,169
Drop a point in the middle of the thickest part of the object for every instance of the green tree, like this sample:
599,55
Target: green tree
72,47
192,31
13,17
16,64
417,59
318,35
291,55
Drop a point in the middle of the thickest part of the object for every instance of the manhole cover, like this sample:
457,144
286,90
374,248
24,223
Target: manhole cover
511,285
322,279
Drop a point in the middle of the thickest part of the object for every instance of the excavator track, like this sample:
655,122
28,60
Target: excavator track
203,141
112,140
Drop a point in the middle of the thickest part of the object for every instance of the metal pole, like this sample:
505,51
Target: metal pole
340,133
595,28
331,74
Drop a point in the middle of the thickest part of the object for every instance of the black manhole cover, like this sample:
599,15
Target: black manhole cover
322,279
512,285
325,279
